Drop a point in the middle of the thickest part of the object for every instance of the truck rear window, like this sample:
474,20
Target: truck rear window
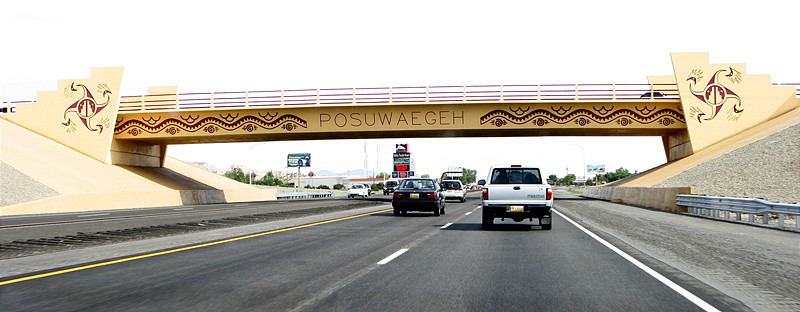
516,176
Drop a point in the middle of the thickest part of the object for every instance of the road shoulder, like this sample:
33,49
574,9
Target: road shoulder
50,261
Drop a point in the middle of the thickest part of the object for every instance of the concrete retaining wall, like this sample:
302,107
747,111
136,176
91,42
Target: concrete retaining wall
663,198
129,200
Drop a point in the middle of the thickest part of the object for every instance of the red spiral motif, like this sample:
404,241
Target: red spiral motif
541,122
210,129
133,132
499,122
249,128
582,121
666,121
624,122
172,130
288,127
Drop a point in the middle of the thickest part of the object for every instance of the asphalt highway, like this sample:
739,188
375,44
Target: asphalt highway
376,262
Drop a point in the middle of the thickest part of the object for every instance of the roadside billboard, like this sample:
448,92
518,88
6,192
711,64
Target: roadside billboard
298,160
596,169
402,161
455,172
401,148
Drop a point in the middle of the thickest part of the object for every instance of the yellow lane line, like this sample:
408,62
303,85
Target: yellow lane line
21,279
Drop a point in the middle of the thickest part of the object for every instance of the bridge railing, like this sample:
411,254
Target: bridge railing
400,95
392,95
11,106
796,86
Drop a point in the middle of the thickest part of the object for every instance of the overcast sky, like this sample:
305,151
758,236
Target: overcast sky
204,46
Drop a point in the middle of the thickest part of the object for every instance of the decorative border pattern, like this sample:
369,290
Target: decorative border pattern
210,125
582,117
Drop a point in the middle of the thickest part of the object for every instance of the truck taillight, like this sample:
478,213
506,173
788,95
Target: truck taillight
549,193
486,193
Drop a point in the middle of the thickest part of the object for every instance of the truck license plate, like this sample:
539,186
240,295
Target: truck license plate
413,195
516,208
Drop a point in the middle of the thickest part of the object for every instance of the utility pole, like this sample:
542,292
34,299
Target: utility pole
377,159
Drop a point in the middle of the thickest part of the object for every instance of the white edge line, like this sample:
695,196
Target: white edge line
468,213
181,209
677,288
446,225
394,255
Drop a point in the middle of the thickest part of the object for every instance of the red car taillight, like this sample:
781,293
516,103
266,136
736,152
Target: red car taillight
549,193
397,195
433,195
486,193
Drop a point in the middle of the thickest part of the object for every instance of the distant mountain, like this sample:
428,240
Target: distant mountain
325,173
208,167
328,173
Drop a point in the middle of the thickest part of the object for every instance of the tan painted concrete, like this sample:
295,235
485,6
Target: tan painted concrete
751,135
710,109
663,198
721,100
636,117
639,190
79,114
86,184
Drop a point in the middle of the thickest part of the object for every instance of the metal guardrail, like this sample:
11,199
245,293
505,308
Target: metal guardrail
711,206
295,195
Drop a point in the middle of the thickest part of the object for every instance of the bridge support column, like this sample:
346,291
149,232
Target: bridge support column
677,145
125,153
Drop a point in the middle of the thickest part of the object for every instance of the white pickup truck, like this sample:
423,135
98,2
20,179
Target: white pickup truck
518,193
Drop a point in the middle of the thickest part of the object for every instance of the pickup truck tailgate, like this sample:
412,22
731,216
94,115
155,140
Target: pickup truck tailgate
516,194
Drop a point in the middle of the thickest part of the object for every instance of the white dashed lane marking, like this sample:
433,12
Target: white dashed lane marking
394,255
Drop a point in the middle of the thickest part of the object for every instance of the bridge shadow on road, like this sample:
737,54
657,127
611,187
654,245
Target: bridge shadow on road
495,228
411,214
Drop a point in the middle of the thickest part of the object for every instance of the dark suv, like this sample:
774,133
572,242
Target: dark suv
389,187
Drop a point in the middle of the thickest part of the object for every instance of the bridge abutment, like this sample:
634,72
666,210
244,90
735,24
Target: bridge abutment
137,154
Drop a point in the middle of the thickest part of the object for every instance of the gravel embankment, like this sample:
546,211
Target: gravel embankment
767,169
17,187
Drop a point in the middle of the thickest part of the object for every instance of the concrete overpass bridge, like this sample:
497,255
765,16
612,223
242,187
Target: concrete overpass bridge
434,111
699,106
